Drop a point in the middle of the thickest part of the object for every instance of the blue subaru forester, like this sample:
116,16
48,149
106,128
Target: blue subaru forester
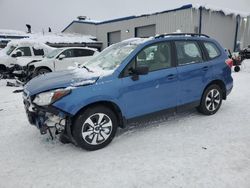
129,80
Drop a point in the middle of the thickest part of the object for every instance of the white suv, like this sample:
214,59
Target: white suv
22,54
63,58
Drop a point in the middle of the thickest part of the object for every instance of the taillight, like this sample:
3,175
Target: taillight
230,63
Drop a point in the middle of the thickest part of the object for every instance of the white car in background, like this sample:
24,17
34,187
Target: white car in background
62,58
22,53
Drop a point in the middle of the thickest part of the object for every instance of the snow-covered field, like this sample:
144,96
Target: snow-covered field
187,150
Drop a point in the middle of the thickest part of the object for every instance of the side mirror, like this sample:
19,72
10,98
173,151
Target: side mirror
248,46
17,54
61,57
140,70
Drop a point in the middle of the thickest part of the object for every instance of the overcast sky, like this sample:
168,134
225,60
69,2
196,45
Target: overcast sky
57,14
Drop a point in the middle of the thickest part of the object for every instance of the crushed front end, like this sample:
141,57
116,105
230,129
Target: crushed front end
47,118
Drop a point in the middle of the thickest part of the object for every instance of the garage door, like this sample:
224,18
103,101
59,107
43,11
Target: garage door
145,31
114,37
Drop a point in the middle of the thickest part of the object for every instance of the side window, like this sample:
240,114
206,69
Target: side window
68,53
188,52
212,50
156,56
83,52
25,51
38,52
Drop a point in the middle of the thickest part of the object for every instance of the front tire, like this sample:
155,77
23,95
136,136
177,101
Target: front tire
95,128
211,100
41,71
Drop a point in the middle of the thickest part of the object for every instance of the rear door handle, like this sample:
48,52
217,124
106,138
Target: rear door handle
171,77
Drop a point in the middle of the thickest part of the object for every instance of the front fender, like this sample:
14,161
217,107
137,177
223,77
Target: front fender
86,95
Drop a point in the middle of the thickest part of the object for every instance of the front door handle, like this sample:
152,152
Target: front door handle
171,77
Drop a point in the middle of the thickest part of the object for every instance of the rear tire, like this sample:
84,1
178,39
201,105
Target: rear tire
211,100
237,68
95,128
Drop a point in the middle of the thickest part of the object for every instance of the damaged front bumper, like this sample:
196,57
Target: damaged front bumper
48,119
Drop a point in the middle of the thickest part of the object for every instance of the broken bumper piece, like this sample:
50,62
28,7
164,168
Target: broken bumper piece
46,118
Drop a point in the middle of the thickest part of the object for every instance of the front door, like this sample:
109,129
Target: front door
154,91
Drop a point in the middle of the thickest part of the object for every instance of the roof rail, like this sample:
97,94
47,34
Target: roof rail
181,34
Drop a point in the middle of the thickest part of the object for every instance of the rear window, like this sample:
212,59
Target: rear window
188,52
212,50
38,52
83,52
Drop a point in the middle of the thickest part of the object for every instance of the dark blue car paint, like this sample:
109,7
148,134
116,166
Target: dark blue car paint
155,91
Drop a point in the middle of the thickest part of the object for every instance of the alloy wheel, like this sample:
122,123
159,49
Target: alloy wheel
97,129
213,100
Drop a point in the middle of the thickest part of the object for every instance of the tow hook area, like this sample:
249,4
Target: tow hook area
51,123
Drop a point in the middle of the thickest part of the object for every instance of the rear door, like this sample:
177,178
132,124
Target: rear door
193,71
67,61
155,91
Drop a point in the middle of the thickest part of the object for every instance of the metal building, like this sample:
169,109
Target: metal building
230,29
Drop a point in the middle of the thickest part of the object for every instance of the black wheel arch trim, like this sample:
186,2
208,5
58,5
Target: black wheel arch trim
42,67
111,105
219,83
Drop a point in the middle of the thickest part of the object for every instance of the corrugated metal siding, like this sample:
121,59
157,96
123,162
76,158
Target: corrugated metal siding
185,20
244,32
220,27
215,24
80,28
180,20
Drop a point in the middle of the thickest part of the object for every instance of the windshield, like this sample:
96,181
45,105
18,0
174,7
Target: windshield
53,53
10,50
113,56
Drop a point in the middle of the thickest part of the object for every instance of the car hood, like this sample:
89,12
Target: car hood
69,78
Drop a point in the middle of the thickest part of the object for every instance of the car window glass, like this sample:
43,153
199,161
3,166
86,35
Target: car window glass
10,50
129,69
68,53
83,52
212,50
38,52
188,52
25,51
156,57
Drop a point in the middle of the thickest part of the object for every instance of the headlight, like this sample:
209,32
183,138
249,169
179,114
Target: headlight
47,98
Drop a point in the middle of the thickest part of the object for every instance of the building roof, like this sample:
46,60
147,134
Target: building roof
225,11
93,22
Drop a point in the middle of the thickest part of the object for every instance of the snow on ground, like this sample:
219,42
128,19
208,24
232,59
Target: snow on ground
187,150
